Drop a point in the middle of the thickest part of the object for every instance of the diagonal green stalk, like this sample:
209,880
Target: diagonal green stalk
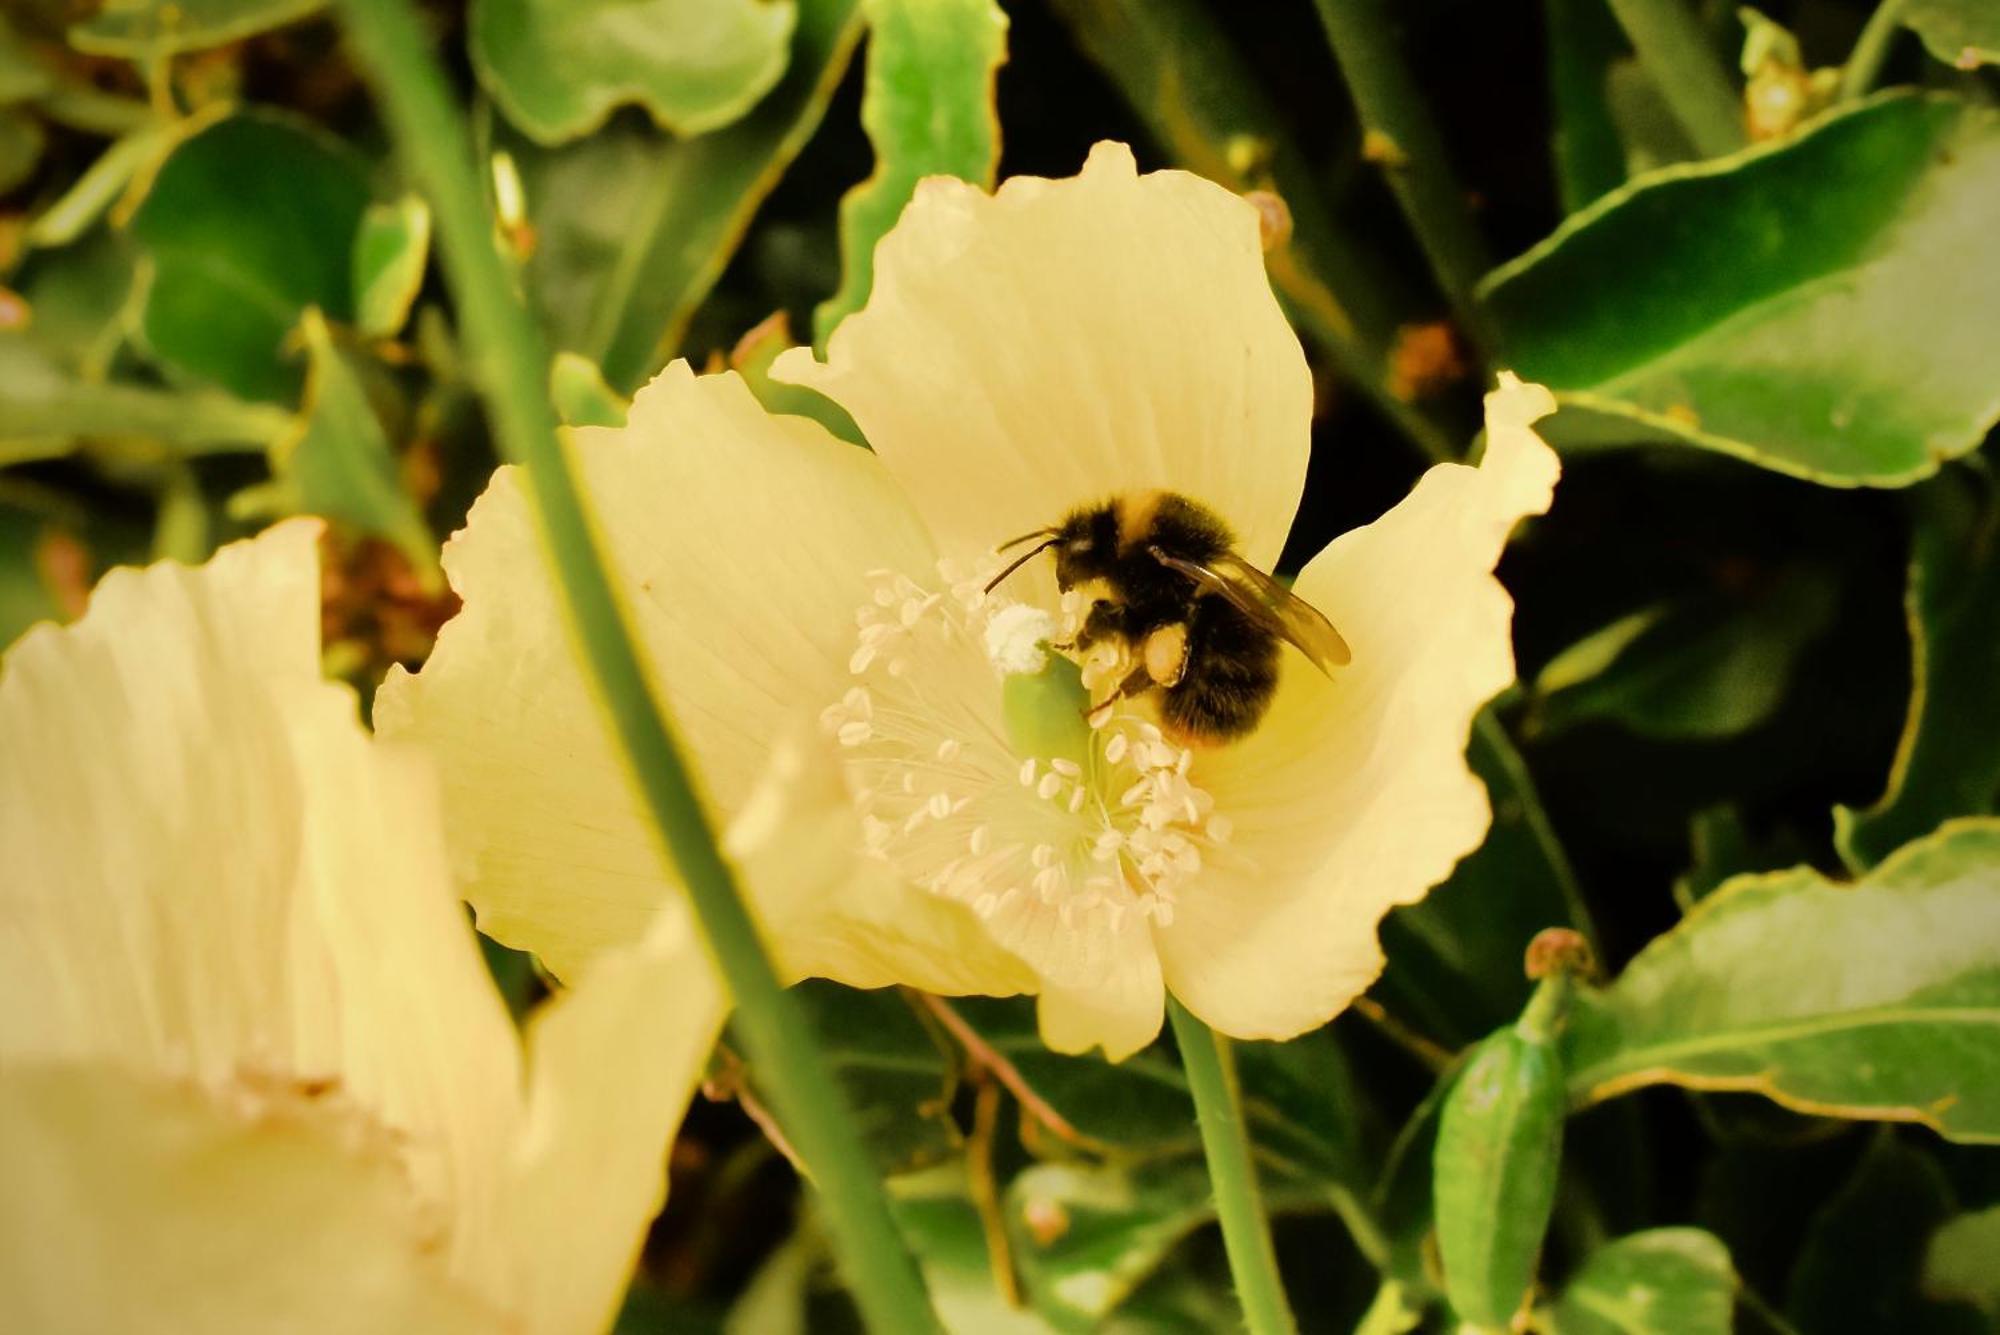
1871,50
1246,1234
1403,139
511,366
1693,79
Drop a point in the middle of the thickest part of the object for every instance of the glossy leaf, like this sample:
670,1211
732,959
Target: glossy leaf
1879,999
1722,847
634,229
1666,1281
248,223
390,252
1086,1237
927,105
751,358
580,395
1140,1104
559,67
1948,760
1454,957
1820,305
898,1076
339,463
938,1217
1962,33
1861,1263
112,176
45,409
1305,1117
140,28
1708,666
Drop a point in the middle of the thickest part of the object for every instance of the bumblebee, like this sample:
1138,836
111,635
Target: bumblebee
1203,624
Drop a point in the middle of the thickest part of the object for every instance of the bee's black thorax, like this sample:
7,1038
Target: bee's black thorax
1112,542
1230,663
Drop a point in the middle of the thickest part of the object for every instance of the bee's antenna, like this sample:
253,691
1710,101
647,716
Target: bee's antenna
1031,533
1023,558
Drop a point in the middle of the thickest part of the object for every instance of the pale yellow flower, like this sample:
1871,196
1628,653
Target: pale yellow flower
253,1074
1052,345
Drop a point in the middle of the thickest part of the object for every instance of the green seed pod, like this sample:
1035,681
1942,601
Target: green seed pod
1499,1147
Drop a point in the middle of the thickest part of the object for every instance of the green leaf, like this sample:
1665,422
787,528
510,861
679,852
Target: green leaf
1879,999
44,410
751,358
1962,1261
339,463
1822,305
249,222
1722,847
1454,957
1859,1269
21,141
559,67
140,28
1140,1104
937,1215
580,394
390,251
1665,1281
898,1076
1583,40
1948,761
634,229
130,157
927,105
1306,1119
1087,1236
1961,33
1711,665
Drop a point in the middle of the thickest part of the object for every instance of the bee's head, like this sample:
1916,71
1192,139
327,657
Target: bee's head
1086,546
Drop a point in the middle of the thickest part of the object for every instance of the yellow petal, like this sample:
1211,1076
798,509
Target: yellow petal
741,542
139,1204
1062,341
1353,796
612,1064
1121,1012
831,913
214,874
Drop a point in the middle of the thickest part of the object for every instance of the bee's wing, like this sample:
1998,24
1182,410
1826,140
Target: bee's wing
1268,603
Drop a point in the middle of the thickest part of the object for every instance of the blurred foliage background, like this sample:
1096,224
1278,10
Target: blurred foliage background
1760,629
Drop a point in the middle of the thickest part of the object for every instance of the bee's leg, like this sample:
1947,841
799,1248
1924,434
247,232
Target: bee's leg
1105,619
1136,681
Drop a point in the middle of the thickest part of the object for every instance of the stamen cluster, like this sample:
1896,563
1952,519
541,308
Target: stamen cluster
1031,843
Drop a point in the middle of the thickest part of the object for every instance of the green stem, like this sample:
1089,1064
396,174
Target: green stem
1404,140
1246,1234
1871,49
1693,79
511,367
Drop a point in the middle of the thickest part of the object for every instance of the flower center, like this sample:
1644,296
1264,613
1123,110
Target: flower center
976,772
